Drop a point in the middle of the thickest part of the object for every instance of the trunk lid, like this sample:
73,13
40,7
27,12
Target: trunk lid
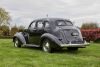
67,32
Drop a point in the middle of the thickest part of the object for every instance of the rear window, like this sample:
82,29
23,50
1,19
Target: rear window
63,23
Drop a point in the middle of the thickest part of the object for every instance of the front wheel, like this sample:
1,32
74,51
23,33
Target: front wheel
46,46
17,43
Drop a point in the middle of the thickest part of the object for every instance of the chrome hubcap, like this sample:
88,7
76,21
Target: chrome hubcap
46,46
16,43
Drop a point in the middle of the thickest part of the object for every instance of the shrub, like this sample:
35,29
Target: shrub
4,30
91,34
6,37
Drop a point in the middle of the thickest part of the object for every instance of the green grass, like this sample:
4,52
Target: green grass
35,57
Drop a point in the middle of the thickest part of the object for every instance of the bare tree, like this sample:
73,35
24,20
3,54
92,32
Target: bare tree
4,17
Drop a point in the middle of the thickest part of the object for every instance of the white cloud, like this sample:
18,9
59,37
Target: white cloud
24,11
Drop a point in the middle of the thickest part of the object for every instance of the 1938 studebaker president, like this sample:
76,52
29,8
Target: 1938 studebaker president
51,33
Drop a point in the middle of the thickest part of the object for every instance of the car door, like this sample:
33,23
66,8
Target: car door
35,31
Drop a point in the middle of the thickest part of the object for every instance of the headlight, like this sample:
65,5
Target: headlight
75,34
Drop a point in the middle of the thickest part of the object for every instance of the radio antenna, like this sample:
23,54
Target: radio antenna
47,15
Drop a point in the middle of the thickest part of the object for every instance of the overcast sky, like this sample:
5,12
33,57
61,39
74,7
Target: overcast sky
24,11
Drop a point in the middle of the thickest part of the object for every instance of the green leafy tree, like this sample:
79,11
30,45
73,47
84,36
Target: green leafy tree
21,28
1,31
89,25
14,30
5,30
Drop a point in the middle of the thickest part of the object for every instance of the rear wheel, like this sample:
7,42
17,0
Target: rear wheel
46,46
17,43
72,48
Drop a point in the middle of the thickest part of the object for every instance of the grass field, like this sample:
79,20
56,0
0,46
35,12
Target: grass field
35,57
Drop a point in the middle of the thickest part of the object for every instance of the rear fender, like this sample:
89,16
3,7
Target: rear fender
51,37
20,36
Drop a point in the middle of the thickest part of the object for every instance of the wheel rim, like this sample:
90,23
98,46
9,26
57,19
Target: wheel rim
16,43
46,46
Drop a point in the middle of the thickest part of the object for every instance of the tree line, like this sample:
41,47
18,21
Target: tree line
5,30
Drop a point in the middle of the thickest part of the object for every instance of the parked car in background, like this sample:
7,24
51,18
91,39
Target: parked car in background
50,34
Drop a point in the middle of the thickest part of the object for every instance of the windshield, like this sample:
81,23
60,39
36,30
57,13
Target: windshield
63,23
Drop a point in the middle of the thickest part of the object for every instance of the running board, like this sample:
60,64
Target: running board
31,45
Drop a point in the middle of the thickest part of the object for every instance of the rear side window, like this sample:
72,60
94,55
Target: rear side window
63,23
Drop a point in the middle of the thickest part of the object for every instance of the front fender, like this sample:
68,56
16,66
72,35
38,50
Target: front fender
51,37
20,36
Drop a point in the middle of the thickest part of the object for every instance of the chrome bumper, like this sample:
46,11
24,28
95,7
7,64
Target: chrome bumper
75,45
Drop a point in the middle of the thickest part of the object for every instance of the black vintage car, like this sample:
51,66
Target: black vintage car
51,33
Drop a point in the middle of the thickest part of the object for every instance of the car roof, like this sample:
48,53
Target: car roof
51,19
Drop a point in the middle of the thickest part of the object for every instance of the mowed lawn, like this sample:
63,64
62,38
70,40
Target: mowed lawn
35,57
